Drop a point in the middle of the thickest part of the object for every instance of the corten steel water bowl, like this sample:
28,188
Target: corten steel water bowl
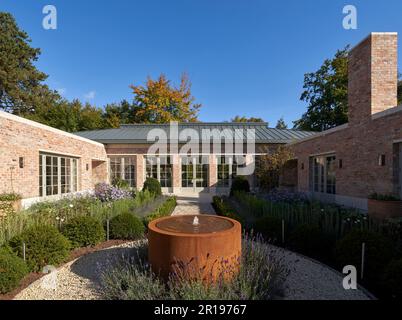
206,251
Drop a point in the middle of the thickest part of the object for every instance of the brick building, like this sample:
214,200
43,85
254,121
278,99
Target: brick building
348,163
40,162
344,164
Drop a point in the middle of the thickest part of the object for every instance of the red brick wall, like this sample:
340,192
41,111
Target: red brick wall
369,134
23,138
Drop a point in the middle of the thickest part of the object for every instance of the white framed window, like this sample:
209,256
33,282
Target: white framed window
57,174
226,170
122,168
160,168
324,174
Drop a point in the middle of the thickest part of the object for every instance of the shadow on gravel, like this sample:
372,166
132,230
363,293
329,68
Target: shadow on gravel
91,265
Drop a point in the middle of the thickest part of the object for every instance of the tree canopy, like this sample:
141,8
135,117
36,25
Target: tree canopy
160,102
21,83
326,92
245,119
281,124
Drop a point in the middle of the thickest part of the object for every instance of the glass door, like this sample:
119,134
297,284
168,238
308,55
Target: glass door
194,173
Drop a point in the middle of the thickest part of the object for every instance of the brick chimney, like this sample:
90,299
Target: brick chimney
373,76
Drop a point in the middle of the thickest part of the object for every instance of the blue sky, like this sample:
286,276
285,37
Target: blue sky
244,57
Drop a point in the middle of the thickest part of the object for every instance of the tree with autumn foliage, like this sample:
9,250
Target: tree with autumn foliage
269,166
161,102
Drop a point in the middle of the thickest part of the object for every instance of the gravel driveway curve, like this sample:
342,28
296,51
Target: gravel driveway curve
79,279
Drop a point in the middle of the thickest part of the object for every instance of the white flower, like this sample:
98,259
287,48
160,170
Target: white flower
57,218
71,205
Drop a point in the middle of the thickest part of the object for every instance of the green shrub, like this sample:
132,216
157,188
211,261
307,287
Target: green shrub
164,210
153,186
312,242
126,226
12,270
222,208
84,231
269,227
10,197
120,183
392,279
379,251
239,184
45,245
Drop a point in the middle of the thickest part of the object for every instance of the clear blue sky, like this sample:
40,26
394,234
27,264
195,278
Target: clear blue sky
244,57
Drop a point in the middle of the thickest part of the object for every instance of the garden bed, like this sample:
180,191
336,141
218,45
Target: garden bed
75,254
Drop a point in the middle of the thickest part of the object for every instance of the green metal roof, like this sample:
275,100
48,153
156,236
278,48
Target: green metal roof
138,133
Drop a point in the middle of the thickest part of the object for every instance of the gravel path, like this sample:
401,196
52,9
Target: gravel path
79,279
311,280
76,280
193,205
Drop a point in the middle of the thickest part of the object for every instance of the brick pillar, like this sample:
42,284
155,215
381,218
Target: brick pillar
212,179
176,172
373,76
139,172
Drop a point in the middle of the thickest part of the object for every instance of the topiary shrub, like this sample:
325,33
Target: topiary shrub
239,184
44,244
126,226
12,270
379,251
269,227
392,280
153,186
312,242
83,231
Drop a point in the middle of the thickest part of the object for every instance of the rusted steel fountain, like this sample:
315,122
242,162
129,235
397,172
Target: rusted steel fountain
204,246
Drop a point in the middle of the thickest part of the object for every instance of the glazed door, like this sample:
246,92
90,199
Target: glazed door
194,174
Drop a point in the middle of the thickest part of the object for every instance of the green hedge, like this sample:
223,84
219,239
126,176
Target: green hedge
378,253
83,231
222,208
126,226
240,184
45,245
12,270
164,210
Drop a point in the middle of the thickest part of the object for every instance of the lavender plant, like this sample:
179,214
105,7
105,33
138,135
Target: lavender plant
260,277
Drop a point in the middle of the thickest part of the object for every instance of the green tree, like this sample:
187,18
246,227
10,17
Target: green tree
119,113
281,124
21,83
69,116
160,102
245,119
326,92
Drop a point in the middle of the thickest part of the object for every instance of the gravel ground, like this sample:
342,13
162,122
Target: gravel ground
187,205
79,279
310,280
76,280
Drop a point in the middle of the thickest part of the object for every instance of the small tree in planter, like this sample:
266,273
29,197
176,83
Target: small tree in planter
9,203
381,206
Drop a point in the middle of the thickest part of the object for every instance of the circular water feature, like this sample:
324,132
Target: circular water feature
201,246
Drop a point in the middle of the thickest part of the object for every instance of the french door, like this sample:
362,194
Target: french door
194,173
